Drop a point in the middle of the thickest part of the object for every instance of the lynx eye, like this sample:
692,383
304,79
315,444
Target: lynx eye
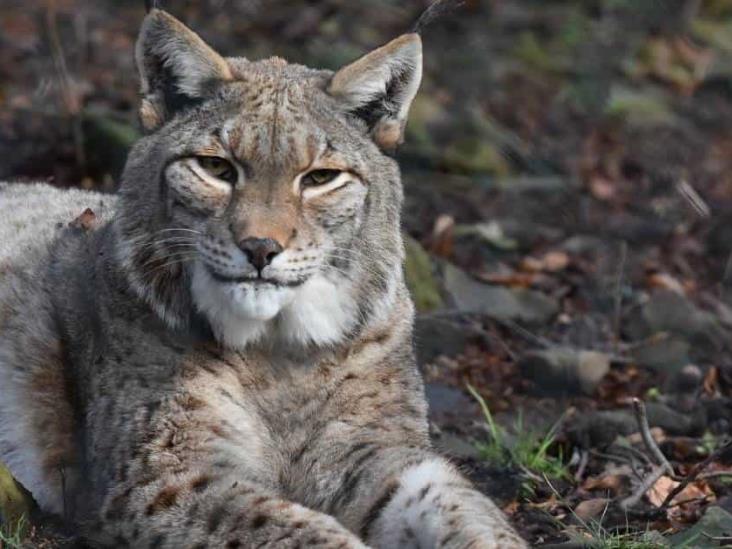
319,177
219,168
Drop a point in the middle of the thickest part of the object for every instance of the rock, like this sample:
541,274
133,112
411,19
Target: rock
107,139
599,429
563,370
443,399
639,108
719,416
504,304
442,336
490,232
716,523
15,502
676,423
662,353
583,244
684,386
669,312
421,281
455,446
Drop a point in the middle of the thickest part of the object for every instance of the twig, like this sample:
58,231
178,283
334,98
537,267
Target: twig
584,459
434,11
700,499
715,474
725,274
619,292
523,332
693,198
694,473
646,485
69,93
639,409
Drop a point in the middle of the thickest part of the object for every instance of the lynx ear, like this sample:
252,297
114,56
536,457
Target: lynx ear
176,67
380,87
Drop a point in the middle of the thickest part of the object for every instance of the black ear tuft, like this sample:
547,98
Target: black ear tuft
379,88
151,5
177,68
436,10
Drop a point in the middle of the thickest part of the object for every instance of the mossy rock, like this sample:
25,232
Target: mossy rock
16,505
476,155
420,277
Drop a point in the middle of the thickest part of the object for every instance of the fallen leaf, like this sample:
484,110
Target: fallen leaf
665,485
610,482
711,381
666,282
443,236
656,432
513,280
87,220
591,508
551,262
602,188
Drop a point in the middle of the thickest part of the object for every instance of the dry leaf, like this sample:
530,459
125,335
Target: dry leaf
591,508
602,188
513,280
610,482
711,381
664,485
443,236
86,221
551,262
656,432
666,282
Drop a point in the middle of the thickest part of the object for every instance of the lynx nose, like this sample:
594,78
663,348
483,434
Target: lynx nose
260,251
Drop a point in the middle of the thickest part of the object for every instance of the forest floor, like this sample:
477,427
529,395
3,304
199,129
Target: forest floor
568,179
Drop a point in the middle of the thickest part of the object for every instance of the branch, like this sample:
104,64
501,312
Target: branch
639,409
694,473
646,485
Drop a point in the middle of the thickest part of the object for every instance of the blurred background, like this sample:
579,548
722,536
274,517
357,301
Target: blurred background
569,196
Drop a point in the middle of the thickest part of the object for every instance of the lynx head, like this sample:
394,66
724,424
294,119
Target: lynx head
263,198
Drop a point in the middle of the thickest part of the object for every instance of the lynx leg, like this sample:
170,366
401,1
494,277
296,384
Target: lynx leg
199,510
434,507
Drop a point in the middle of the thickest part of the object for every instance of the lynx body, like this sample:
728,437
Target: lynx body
221,354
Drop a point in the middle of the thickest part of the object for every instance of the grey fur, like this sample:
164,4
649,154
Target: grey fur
130,404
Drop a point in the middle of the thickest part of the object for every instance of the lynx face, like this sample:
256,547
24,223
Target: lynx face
274,210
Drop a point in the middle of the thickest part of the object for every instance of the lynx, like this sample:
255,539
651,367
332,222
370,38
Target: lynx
220,355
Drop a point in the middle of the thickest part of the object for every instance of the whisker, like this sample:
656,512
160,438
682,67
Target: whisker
171,259
157,268
171,229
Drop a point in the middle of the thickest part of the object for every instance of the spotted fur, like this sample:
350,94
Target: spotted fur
161,391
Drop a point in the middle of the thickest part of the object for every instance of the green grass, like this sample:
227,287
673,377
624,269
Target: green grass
12,535
528,450
592,533
624,540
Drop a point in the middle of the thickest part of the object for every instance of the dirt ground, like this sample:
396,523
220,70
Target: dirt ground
569,196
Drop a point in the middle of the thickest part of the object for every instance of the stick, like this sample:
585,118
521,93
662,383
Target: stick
694,473
618,297
646,485
584,459
639,409
434,11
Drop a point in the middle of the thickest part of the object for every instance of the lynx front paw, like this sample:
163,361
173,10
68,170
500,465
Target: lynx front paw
434,507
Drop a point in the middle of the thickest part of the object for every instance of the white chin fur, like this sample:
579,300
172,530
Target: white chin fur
319,312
